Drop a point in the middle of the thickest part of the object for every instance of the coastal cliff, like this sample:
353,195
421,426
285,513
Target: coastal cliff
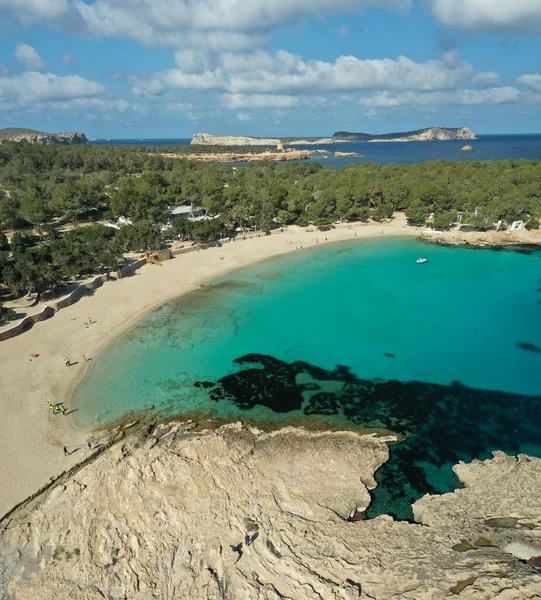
238,513
209,139
32,136
431,134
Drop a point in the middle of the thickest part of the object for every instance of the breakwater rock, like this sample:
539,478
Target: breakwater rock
237,513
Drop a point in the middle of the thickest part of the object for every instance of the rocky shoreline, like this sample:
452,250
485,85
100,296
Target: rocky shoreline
237,157
239,513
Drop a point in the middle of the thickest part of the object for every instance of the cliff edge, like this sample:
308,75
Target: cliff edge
31,136
238,513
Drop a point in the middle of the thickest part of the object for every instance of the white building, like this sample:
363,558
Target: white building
186,212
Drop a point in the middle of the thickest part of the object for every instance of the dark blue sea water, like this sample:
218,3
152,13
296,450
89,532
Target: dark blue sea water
487,147
447,353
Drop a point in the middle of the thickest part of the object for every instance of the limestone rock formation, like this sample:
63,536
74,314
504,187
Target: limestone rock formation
211,139
39,137
207,139
240,514
430,134
467,148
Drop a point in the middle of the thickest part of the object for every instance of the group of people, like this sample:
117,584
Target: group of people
57,408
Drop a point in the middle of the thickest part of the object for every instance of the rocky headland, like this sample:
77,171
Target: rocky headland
32,136
431,134
238,513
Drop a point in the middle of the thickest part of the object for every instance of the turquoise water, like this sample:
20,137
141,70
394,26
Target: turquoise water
447,353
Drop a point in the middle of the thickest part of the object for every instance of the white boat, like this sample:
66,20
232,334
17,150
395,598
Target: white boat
421,260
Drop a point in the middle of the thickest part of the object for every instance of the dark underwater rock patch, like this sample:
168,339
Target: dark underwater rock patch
529,347
441,424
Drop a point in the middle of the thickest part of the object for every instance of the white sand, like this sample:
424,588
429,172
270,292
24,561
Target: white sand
31,438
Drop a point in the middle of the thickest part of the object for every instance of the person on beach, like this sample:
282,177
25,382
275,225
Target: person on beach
66,451
70,317
67,362
84,357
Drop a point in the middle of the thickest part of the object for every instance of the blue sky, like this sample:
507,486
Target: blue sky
171,68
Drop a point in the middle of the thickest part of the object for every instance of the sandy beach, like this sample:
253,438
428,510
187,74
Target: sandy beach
31,437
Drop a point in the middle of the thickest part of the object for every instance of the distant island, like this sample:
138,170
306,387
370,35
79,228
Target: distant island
419,135
32,136
431,134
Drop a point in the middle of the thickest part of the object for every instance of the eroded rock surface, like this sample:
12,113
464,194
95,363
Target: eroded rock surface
240,514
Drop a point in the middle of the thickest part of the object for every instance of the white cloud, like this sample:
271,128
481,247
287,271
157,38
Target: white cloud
486,79
68,59
259,101
499,16
100,104
284,73
28,56
33,87
282,62
192,61
3,69
531,81
243,117
502,95
32,11
213,24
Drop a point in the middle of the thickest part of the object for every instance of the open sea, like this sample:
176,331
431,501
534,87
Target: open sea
446,353
487,147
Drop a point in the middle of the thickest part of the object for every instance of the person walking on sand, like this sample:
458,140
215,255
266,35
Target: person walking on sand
70,317
66,451
84,357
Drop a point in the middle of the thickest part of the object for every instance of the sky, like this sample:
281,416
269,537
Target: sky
171,68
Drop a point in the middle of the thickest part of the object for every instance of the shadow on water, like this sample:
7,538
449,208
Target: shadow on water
441,424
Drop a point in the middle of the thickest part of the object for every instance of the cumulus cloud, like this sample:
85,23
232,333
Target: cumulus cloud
486,79
284,73
33,87
501,95
222,24
32,11
531,81
498,16
192,61
243,117
28,56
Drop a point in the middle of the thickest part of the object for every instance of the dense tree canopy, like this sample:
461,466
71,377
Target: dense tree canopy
44,186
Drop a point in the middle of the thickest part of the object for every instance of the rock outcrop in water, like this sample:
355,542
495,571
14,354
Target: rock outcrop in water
32,136
237,513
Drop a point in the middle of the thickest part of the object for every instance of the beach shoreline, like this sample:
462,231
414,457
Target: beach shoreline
31,437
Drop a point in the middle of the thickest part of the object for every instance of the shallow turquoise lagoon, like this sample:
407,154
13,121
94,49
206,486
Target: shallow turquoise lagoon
447,353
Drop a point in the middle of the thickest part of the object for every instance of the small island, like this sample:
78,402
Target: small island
430,134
